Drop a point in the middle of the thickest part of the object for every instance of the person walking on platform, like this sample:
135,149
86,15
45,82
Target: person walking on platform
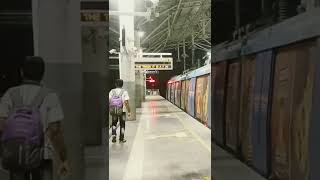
30,124
118,97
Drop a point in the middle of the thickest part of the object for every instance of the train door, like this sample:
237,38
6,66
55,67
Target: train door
178,93
218,112
291,111
172,93
201,99
261,111
183,94
246,106
232,106
191,100
186,98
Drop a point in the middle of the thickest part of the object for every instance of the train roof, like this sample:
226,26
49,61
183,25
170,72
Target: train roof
194,73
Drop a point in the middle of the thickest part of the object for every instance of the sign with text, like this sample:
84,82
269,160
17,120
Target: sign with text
152,72
152,63
94,16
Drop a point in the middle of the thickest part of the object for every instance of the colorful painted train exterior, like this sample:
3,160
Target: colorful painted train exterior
266,100
191,92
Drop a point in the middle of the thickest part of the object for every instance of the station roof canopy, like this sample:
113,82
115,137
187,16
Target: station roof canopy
171,22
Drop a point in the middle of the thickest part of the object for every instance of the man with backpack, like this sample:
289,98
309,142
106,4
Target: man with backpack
117,98
30,124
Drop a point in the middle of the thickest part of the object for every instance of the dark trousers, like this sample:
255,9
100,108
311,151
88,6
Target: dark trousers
42,173
122,120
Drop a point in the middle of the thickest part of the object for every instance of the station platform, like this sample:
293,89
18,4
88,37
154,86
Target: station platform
226,167
164,143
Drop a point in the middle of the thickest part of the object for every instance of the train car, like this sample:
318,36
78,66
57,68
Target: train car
266,100
191,92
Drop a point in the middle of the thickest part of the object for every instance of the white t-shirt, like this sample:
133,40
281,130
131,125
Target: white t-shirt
125,95
50,109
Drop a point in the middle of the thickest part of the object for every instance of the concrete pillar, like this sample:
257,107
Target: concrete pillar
139,75
139,88
126,61
144,85
94,45
56,26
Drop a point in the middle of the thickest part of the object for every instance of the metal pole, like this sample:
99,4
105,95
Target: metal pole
178,48
169,27
204,28
184,55
192,56
175,15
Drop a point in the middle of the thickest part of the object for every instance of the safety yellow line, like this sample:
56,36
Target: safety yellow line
194,134
205,178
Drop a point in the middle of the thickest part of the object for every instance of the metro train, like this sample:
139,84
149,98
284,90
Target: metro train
265,99
191,92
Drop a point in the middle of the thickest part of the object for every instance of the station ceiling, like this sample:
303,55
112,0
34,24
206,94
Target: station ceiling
172,22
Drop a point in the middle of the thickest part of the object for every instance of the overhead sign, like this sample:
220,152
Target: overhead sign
152,63
94,16
94,13
157,67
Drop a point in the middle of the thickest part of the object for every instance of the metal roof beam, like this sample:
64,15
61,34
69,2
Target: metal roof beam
167,10
170,24
195,18
157,42
204,45
155,30
176,13
159,39
113,30
189,43
204,48
157,46
207,41
160,32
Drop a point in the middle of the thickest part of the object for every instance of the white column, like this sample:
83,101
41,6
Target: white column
56,28
126,58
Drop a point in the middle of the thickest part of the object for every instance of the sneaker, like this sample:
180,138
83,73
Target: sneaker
114,139
122,140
